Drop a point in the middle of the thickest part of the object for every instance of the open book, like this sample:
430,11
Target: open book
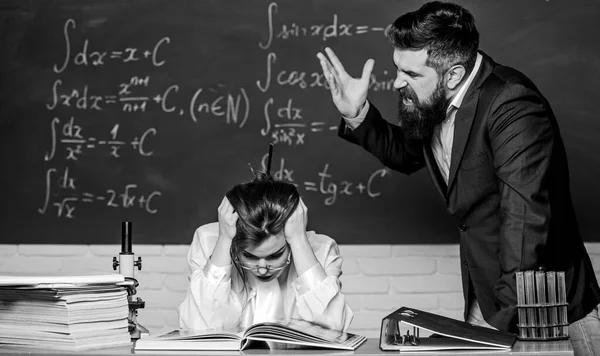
283,334
400,328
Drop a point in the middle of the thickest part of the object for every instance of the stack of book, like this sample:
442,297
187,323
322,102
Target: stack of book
65,313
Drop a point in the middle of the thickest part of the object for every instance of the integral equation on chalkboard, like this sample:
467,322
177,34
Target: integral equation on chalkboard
282,121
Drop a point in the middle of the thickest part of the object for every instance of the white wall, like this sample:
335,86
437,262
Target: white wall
377,279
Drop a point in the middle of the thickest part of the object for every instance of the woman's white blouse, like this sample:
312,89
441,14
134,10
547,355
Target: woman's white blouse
216,299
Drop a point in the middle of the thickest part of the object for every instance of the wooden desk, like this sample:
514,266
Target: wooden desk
371,347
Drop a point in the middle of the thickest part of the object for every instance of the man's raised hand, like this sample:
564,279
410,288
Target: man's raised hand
349,94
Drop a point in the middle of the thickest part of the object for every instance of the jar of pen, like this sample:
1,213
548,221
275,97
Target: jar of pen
542,305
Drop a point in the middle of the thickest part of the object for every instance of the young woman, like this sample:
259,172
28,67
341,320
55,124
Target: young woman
258,263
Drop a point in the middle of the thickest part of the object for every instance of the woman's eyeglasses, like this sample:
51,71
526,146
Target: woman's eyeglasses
262,270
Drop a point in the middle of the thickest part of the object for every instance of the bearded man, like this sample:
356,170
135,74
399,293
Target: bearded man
493,148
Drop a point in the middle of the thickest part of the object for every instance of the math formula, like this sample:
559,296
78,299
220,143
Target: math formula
117,101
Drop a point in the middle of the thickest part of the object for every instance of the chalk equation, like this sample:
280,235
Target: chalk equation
69,197
85,99
88,57
322,31
259,105
289,77
218,102
326,185
71,136
284,121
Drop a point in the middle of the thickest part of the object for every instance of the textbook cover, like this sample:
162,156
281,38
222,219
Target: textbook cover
448,333
282,334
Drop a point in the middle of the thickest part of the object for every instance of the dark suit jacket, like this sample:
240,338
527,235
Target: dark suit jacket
508,191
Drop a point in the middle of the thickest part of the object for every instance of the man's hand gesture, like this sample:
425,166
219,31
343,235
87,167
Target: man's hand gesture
349,94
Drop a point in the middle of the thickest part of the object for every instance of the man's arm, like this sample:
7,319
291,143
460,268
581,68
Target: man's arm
385,141
353,122
522,138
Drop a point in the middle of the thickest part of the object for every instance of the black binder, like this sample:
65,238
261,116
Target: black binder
400,331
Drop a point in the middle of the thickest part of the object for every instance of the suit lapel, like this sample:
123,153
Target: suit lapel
462,127
465,116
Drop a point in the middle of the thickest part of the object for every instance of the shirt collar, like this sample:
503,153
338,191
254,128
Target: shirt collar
458,98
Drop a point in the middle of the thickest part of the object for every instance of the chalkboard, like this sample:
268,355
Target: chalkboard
149,111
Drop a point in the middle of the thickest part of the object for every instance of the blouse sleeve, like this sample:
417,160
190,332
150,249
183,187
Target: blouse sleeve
210,301
319,297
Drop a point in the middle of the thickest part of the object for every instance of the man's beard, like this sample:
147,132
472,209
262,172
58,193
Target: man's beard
419,120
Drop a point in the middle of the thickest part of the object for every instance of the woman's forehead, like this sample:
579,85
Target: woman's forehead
269,246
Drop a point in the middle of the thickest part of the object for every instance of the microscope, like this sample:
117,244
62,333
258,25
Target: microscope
126,264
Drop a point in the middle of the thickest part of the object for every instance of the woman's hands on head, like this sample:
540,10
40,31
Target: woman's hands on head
227,228
295,227
295,235
227,220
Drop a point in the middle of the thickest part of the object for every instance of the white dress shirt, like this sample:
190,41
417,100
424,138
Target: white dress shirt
443,134
216,299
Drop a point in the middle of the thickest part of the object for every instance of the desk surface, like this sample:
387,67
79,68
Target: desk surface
371,347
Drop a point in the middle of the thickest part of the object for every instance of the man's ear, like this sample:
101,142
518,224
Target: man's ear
455,76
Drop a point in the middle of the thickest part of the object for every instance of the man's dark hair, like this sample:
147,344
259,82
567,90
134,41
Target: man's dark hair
446,30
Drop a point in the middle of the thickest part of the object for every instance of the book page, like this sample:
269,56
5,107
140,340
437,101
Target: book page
301,332
299,329
193,340
207,334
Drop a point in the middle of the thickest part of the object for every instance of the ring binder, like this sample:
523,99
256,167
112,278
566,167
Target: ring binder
447,333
